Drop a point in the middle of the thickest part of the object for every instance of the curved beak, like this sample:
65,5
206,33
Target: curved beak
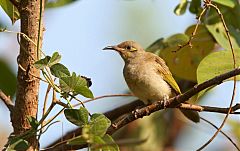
116,48
110,48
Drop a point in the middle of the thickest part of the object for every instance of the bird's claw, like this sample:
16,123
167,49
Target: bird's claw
136,112
147,111
165,101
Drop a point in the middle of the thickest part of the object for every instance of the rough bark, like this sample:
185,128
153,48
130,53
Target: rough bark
26,103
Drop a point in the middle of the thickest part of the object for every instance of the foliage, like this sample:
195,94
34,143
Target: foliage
202,45
8,80
68,83
200,53
13,12
10,10
178,53
93,129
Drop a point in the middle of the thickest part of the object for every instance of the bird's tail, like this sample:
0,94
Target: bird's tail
191,115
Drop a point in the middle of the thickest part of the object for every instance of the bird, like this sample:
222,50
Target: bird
148,77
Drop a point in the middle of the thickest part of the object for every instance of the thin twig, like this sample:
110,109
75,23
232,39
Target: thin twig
77,100
123,142
145,111
24,36
106,96
202,108
21,67
39,29
234,144
62,104
173,102
189,43
15,3
49,109
56,145
51,147
23,48
46,98
7,101
44,109
101,97
209,4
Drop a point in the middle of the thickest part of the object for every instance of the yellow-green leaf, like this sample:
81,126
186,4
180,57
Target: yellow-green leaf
184,62
219,33
10,10
181,7
215,64
78,117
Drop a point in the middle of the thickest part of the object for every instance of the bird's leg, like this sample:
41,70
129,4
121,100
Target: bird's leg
165,101
147,110
136,112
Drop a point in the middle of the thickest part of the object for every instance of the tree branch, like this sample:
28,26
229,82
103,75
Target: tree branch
177,101
26,104
200,108
173,102
7,101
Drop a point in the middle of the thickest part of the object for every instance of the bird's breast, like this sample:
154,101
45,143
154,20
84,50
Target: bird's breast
146,83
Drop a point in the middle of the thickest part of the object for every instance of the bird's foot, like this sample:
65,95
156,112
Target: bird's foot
138,113
165,101
147,111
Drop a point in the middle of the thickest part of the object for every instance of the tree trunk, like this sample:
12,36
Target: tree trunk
28,86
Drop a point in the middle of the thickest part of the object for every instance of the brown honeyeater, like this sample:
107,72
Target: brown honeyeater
148,76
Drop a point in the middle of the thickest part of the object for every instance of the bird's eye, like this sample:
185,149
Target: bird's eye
128,47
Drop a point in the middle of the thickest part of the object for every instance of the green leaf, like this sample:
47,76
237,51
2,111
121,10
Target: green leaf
215,64
10,10
59,3
33,122
99,124
78,117
75,84
84,91
228,3
181,8
54,59
69,83
105,143
215,27
185,61
8,80
95,141
195,6
235,129
109,140
42,63
86,133
219,33
79,140
50,61
59,70
18,144
156,46
175,40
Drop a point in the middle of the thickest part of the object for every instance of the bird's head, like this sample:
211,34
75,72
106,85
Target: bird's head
127,49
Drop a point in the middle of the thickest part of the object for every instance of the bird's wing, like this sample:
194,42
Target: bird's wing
167,75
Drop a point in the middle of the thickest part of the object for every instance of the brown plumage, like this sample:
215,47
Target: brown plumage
148,76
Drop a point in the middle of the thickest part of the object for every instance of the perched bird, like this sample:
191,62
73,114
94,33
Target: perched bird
147,75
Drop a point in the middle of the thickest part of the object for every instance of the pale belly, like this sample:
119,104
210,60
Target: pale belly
147,85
